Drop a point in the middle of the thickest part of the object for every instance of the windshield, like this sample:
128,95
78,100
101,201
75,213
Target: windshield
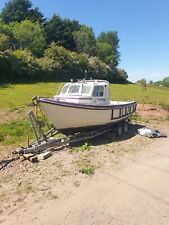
77,89
74,89
64,89
86,89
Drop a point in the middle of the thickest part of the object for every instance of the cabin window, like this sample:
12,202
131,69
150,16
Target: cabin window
98,91
121,113
86,89
132,108
64,89
116,113
74,89
124,111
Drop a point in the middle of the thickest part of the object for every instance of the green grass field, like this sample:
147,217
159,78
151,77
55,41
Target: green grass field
18,95
152,95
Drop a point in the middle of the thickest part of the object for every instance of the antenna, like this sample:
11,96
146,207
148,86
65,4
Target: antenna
85,74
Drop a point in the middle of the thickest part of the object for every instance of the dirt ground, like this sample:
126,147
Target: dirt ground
130,184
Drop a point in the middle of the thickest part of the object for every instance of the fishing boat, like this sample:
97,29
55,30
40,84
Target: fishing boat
85,104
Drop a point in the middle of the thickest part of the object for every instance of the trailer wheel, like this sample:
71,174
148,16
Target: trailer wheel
126,127
119,130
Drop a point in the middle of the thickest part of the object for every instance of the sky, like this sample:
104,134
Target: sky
142,26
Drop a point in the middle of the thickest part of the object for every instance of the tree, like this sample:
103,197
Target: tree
19,10
158,83
105,40
151,82
110,37
4,42
27,67
61,31
29,35
7,38
143,83
70,64
105,52
98,69
5,28
166,81
59,54
85,40
122,75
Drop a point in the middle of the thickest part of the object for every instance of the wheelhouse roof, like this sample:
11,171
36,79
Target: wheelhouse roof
90,82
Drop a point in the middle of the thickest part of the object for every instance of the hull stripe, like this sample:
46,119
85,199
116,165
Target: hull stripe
84,106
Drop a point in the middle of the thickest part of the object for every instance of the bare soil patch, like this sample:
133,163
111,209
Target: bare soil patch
152,112
7,116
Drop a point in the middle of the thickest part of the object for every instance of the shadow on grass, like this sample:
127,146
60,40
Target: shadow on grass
5,85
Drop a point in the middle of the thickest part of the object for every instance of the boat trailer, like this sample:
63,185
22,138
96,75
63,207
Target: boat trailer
45,143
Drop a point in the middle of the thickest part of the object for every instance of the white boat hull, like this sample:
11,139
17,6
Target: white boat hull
71,115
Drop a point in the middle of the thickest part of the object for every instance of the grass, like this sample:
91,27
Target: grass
153,95
14,132
88,170
16,96
136,117
85,147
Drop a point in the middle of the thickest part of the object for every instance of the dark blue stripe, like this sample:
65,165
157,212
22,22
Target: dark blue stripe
84,106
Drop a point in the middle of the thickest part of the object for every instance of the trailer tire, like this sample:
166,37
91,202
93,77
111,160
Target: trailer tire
119,130
126,127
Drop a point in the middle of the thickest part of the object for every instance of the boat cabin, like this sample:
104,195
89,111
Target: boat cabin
85,92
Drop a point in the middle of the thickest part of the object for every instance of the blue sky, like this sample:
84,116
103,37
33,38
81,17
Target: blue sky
142,26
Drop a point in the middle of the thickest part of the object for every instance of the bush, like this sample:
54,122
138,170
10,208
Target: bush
66,64
7,63
98,69
19,66
28,70
58,64
4,42
50,69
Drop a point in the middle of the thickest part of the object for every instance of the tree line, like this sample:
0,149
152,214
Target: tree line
164,82
33,48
